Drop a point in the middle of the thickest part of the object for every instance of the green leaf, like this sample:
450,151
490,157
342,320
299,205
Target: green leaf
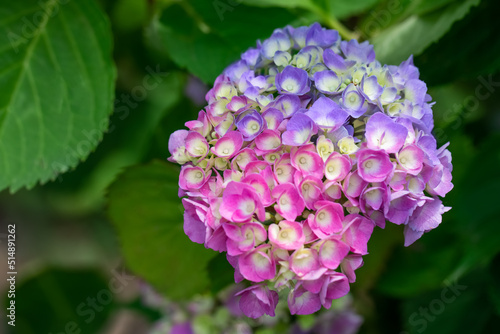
49,302
416,33
426,6
205,39
445,62
422,266
467,239
456,307
127,142
57,79
147,213
478,228
494,283
381,246
221,273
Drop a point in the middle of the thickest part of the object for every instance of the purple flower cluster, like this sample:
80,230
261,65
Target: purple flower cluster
307,144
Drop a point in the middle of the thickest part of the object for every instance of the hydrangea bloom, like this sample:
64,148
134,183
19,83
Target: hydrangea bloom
307,144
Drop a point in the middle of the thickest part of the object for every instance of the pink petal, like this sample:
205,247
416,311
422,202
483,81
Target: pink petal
337,166
308,162
257,265
268,140
332,252
229,145
196,144
304,261
411,159
287,235
328,219
336,286
357,232
289,204
373,166
350,264
301,301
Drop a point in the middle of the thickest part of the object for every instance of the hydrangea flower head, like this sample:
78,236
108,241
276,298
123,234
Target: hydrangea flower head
306,145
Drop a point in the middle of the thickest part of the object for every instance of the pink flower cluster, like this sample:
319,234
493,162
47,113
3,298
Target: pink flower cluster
307,144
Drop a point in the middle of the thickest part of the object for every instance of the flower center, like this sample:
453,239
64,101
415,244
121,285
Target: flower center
289,87
225,151
402,160
284,234
368,164
249,207
283,201
305,187
352,98
279,171
254,127
321,215
302,161
198,175
331,169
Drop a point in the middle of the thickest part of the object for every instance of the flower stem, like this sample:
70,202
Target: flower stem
332,22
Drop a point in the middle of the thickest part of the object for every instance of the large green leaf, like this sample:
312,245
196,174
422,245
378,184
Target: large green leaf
147,213
57,80
62,301
456,307
426,6
414,34
475,213
203,39
467,239
221,273
476,54
494,283
128,142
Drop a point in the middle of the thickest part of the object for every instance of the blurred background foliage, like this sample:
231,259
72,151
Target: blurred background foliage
69,249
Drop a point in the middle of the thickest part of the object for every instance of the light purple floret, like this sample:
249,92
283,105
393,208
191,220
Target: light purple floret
292,80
